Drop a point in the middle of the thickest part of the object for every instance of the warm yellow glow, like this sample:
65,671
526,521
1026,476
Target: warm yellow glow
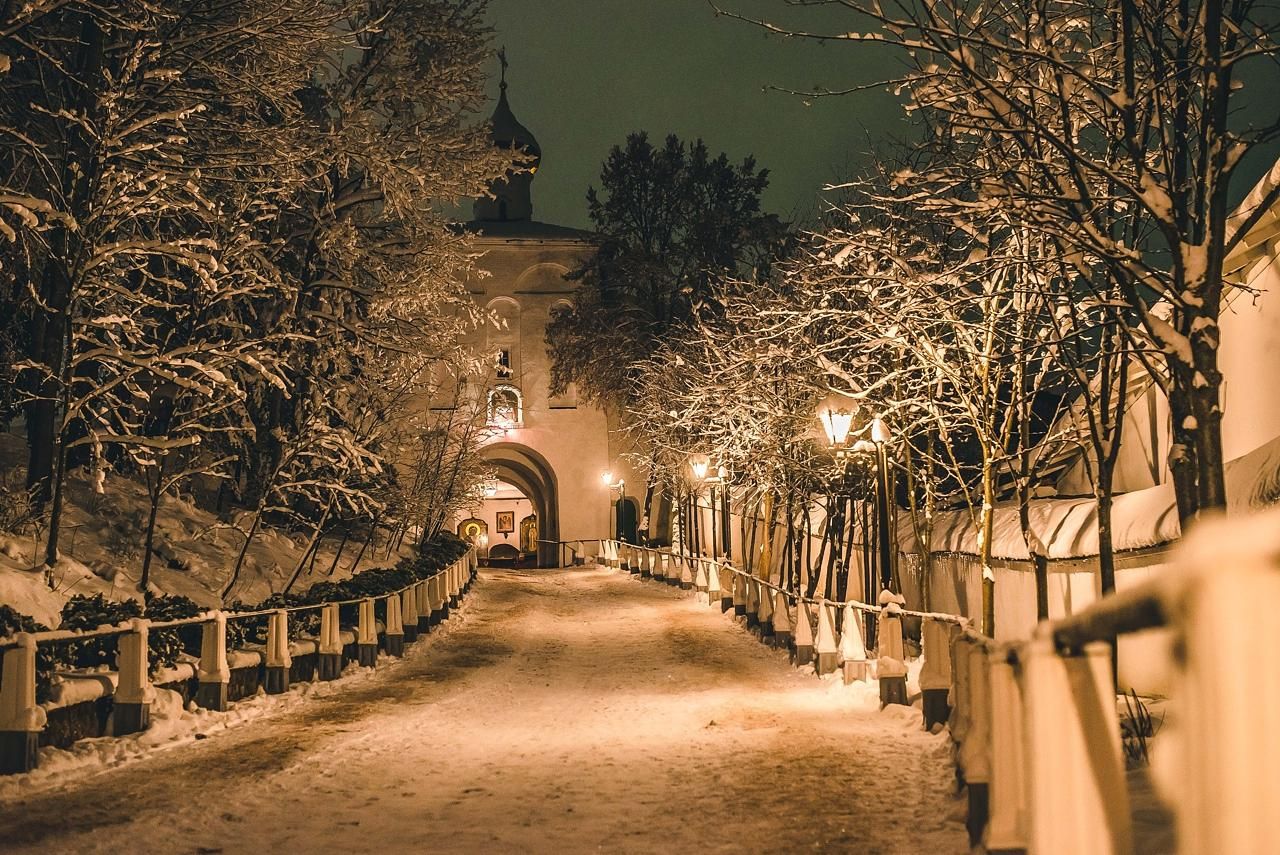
836,424
699,464
606,478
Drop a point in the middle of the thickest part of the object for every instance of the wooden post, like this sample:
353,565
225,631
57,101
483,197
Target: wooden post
278,660
1076,782
131,703
804,635
1007,827
828,651
21,718
935,674
409,612
329,649
394,632
367,636
853,648
214,673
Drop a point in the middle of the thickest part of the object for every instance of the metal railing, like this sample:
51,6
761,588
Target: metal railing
407,612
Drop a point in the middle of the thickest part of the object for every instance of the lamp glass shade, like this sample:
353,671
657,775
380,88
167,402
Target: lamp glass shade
836,424
606,478
699,464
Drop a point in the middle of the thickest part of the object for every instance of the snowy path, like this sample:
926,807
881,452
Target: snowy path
566,711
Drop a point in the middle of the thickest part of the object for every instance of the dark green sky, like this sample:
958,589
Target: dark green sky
585,73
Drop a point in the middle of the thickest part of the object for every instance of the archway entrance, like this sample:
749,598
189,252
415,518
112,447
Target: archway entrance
531,474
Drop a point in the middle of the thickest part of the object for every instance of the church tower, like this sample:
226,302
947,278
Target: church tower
547,452
512,198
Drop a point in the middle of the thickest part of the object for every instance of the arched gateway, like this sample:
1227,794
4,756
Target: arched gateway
527,470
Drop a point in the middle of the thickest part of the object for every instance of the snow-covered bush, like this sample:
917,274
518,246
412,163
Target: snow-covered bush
165,645
88,613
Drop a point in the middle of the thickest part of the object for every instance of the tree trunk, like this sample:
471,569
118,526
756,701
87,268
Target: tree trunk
346,535
244,550
315,535
984,548
155,492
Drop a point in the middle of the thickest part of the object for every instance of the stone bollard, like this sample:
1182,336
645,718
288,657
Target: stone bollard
662,561
686,573
21,718
726,576
1076,781
958,721
804,635
394,633
1007,826
277,660
714,598
975,750
700,580
422,605
753,602
853,647
764,613
367,636
646,564
624,558
739,594
214,673
453,586
329,649
935,673
131,703
782,636
409,612
828,652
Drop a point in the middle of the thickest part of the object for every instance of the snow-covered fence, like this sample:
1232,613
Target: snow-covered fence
272,665
1036,724
830,634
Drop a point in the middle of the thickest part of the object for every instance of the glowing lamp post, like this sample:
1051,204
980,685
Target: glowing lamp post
880,435
620,485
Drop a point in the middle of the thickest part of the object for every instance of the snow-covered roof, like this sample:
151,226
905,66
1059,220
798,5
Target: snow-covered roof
1069,527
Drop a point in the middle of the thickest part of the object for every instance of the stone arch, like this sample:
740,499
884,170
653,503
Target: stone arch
542,277
530,472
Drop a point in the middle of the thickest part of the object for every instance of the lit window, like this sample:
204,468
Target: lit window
506,408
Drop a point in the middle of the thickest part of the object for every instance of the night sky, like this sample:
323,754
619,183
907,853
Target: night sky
585,73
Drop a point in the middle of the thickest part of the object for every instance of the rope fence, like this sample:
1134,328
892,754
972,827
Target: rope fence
409,612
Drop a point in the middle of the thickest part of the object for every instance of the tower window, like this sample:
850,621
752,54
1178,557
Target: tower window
503,363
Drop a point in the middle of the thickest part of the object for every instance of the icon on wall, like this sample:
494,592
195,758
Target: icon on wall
506,522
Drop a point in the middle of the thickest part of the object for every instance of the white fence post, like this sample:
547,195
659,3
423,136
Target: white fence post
435,599
214,674
21,718
975,750
891,665
131,703
409,613
764,613
804,634
935,673
726,576
753,601
739,594
394,632
827,648
278,660
782,636
714,597
853,646
700,579
330,646
1076,782
686,572
1007,790
422,604
367,636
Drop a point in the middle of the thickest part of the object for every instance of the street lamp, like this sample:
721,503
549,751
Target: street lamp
620,485
880,435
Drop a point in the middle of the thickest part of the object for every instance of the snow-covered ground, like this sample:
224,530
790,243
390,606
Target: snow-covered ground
101,549
572,711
